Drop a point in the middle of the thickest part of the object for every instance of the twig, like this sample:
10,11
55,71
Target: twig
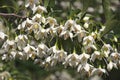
12,14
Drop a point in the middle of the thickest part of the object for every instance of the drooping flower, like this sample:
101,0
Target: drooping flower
66,34
96,55
60,55
25,25
30,51
115,56
71,60
89,43
83,58
21,41
42,50
80,35
98,71
39,18
39,9
106,48
9,45
41,34
2,35
111,65
51,21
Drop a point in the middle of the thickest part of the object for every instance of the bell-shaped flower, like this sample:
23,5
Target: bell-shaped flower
52,31
52,50
96,55
42,50
85,69
41,34
71,60
2,36
69,25
9,45
39,9
30,51
60,29
66,34
80,35
106,49
39,18
21,41
89,43
25,25
35,27
111,65
51,21
88,40
49,62
98,71
60,55
13,54
83,58
115,56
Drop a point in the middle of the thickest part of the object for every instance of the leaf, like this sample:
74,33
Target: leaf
111,25
107,10
46,3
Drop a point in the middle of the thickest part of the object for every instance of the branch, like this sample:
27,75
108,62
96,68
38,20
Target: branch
12,14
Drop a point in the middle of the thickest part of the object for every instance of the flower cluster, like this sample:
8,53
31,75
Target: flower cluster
35,32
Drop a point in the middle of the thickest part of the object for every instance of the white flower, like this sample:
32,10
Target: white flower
72,60
30,51
77,28
83,58
60,29
60,55
41,34
86,18
39,9
50,61
2,35
89,43
88,40
86,25
106,48
42,50
98,71
115,56
69,25
25,24
35,27
80,34
21,41
13,54
52,21
38,18
95,55
52,31
52,50
21,55
84,67
9,45
111,65
66,34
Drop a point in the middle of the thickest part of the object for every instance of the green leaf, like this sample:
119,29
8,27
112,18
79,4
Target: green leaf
111,25
107,10
46,3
